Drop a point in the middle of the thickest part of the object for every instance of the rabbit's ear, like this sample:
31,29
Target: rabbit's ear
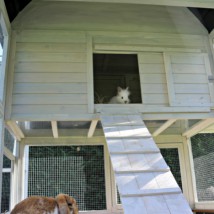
72,204
66,204
62,204
127,88
119,89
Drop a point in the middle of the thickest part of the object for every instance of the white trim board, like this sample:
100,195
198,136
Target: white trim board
179,3
163,127
54,129
201,125
92,128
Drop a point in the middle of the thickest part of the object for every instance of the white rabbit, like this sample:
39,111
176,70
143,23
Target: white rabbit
62,204
122,96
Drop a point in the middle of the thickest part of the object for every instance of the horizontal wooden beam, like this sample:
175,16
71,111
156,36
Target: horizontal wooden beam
202,211
15,129
54,129
92,128
1,109
141,48
166,125
179,3
195,129
8,153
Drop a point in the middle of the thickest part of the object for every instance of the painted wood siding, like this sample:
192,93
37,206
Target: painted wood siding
187,79
53,75
153,79
50,73
110,17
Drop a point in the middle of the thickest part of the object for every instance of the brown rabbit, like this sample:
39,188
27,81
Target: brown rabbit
62,204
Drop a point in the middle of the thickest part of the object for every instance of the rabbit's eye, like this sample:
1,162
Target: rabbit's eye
122,97
70,205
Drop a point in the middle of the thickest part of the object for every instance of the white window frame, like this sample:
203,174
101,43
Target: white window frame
198,204
24,155
5,32
12,156
180,148
4,59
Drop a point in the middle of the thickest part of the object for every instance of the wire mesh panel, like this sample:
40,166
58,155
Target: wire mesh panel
203,158
9,140
5,200
74,170
118,197
171,157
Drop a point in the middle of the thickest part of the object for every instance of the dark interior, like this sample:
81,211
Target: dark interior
113,70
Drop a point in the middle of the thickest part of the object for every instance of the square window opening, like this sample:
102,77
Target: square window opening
113,72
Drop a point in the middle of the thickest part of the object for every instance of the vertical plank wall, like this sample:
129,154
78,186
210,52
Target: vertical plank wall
50,73
153,79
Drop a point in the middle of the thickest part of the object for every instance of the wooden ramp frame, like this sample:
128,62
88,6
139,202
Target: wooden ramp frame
145,182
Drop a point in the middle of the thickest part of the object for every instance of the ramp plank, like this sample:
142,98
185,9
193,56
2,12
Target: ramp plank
144,180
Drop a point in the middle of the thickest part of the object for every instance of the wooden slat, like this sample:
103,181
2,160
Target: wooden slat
50,88
52,116
151,68
51,47
49,78
152,78
196,98
180,3
136,205
150,58
177,203
138,162
203,210
50,57
9,154
1,109
188,69
51,36
143,43
15,129
154,88
120,120
125,146
41,109
163,127
143,48
47,99
126,131
190,78
92,128
54,129
191,88
146,183
52,67
187,59
198,127
155,99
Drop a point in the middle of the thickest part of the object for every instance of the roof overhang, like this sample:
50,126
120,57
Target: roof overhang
179,3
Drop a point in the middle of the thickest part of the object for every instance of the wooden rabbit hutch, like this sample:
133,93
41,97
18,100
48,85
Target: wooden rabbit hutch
63,61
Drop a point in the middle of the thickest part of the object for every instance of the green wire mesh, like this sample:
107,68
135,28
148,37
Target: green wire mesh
203,159
5,199
74,170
